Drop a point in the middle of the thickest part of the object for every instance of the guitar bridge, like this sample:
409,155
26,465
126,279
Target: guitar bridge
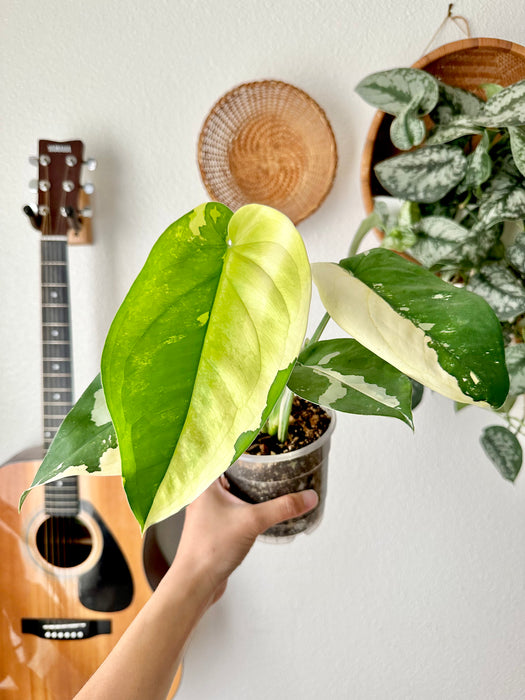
65,629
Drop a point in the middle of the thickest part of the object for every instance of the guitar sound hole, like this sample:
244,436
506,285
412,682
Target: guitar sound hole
63,541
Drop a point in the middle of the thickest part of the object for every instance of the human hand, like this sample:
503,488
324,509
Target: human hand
220,529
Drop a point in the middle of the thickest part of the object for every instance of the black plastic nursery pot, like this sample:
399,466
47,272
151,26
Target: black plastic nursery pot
257,478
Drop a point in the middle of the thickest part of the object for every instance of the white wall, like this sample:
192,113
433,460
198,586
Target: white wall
414,585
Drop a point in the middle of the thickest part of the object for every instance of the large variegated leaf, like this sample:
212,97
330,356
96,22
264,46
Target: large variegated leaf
423,175
86,442
506,108
455,102
443,336
343,375
394,90
440,240
515,358
190,362
503,449
501,289
517,145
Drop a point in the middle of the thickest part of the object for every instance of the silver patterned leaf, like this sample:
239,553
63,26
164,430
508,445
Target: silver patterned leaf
440,240
501,289
479,166
407,129
503,449
452,130
424,175
453,102
515,253
517,145
515,361
505,108
393,90
502,203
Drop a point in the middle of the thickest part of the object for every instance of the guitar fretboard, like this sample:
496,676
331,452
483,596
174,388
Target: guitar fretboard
61,496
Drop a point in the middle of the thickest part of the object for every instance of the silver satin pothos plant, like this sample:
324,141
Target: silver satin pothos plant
212,332
457,206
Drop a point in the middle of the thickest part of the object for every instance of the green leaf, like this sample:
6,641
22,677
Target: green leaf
201,349
440,335
440,240
491,89
393,90
343,375
515,359
417,393
517,145
503,449
506,108
452,130
407,129
423,175
455,102
501,289
85,443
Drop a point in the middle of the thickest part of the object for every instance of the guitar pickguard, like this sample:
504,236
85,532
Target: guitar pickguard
107,586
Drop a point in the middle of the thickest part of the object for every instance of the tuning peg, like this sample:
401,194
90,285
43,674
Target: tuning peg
33,160
33,185
86,213
90,163
72,219
88,187
35,219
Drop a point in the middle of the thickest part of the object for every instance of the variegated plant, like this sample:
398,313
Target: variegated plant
213,329
457,206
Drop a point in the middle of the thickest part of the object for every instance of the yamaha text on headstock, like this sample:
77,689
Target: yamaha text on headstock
73,572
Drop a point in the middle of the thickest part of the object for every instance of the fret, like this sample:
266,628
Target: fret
53,262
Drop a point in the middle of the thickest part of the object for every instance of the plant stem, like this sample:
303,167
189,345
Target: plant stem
318,331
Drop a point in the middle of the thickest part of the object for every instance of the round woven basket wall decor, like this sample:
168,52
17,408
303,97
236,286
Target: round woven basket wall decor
268,142
466,64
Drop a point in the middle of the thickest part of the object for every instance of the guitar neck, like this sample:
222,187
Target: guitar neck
56,336
57,386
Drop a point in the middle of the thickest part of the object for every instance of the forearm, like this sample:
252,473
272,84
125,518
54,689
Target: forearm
146,658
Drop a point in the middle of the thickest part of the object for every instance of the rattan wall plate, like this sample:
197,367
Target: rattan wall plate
466,64
268,142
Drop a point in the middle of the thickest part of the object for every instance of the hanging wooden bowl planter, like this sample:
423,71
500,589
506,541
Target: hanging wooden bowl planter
466,64
270,143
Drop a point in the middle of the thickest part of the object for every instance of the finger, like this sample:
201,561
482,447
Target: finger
284,507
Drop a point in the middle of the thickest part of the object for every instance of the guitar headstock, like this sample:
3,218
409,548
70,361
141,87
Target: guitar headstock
63,203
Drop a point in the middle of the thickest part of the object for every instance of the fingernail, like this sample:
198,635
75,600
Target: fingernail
310,499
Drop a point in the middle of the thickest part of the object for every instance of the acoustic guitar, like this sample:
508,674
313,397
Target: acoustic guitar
74,570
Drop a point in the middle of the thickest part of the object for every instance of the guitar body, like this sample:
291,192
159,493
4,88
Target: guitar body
40,597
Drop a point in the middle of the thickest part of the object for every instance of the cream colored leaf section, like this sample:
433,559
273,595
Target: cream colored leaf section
373,322
256,329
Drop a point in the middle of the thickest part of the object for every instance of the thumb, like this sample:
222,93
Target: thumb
285,507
